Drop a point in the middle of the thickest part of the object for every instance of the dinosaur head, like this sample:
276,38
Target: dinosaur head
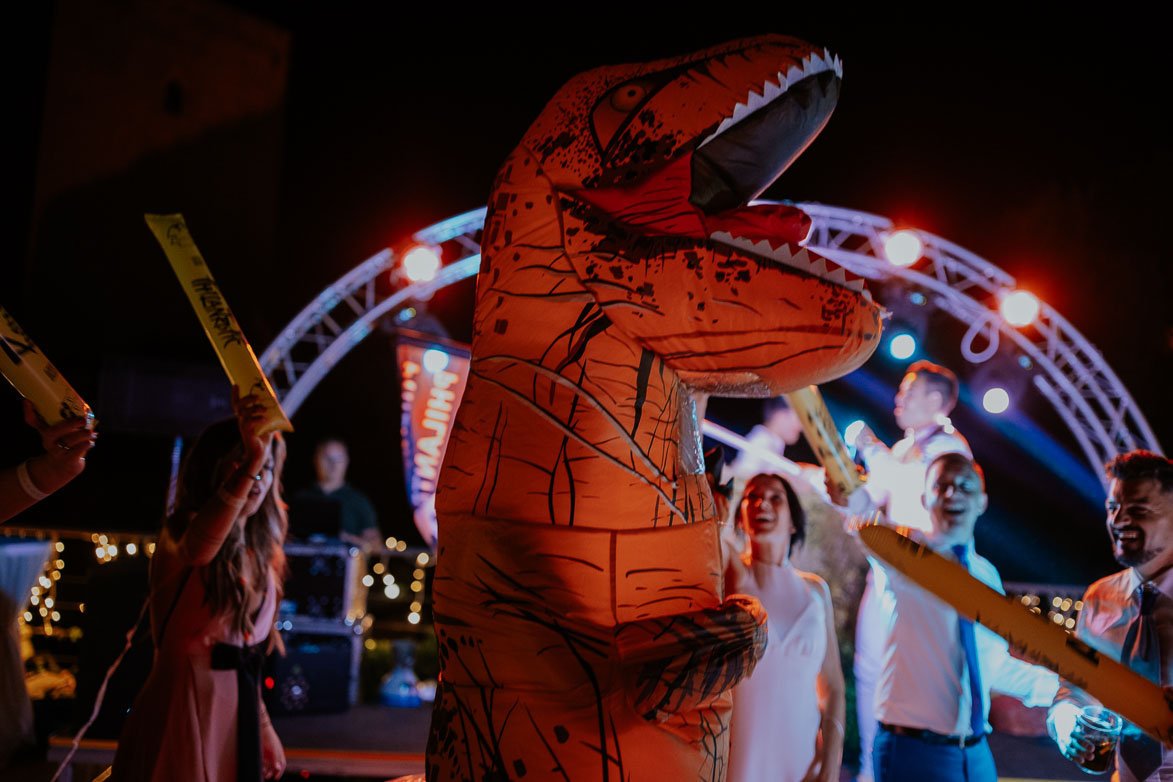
654,166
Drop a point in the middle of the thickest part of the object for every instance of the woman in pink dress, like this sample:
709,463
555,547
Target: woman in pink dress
787,723
215,585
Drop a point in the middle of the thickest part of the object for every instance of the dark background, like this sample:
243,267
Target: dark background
1038,143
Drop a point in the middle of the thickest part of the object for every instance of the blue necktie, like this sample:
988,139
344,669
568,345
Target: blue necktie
977,720
1142,653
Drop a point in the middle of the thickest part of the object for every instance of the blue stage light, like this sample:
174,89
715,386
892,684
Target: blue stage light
996,400
902,346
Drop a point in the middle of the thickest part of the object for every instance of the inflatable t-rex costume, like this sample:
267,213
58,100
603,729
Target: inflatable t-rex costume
578,604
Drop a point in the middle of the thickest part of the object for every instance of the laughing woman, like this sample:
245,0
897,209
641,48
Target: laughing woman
215,586
788,715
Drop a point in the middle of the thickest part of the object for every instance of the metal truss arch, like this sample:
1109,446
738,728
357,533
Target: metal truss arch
1072,374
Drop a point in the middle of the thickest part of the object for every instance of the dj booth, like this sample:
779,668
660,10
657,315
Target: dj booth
322,622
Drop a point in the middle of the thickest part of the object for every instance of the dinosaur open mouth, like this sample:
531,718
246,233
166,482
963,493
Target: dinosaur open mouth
764,135
704,193
750,150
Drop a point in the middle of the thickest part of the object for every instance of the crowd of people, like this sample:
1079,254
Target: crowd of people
923,674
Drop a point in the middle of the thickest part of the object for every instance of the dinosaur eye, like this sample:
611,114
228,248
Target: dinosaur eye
615,108
628,96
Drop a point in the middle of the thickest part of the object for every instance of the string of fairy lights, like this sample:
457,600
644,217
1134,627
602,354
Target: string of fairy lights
43,611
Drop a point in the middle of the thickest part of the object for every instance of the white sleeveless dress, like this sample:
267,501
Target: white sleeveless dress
775,711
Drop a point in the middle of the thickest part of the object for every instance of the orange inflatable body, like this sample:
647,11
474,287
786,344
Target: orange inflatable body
578,605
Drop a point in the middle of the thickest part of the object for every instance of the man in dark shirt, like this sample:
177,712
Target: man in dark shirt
358,524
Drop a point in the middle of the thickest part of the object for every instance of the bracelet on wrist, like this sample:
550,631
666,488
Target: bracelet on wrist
26,482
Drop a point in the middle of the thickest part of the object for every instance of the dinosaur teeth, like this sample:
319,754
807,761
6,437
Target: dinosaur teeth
769,91
754,101
835,62
801,261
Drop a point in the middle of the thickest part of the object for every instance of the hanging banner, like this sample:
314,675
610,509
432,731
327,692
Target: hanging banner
34,378
432,375
233,350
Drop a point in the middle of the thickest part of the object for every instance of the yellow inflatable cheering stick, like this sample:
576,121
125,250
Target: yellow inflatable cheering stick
824,439
1138,700
233,350
34,378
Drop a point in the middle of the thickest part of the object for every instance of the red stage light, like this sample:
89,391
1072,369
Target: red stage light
269,683
421,263
903,248
1019,308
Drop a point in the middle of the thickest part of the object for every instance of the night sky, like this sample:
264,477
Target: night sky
1037,146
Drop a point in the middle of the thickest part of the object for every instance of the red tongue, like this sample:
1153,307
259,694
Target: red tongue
776,223
658,204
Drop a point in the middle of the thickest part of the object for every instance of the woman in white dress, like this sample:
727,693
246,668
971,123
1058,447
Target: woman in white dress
788,715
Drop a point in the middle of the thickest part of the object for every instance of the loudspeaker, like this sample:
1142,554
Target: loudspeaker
322,581
319,672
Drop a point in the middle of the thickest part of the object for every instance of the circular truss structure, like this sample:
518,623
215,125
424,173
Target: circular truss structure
1071,373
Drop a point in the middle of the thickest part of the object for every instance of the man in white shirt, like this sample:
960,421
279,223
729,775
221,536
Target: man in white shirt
1128,616
779,428
932,701
896,480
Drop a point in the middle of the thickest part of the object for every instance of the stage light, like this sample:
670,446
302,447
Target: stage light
414,618
852,431
918,298
368,580
435,360
422,558
902,346
421,263
388,579
903,248
391,591
996,400
59,546
131,549
1019,308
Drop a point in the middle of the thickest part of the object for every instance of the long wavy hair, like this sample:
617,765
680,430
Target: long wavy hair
263,534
